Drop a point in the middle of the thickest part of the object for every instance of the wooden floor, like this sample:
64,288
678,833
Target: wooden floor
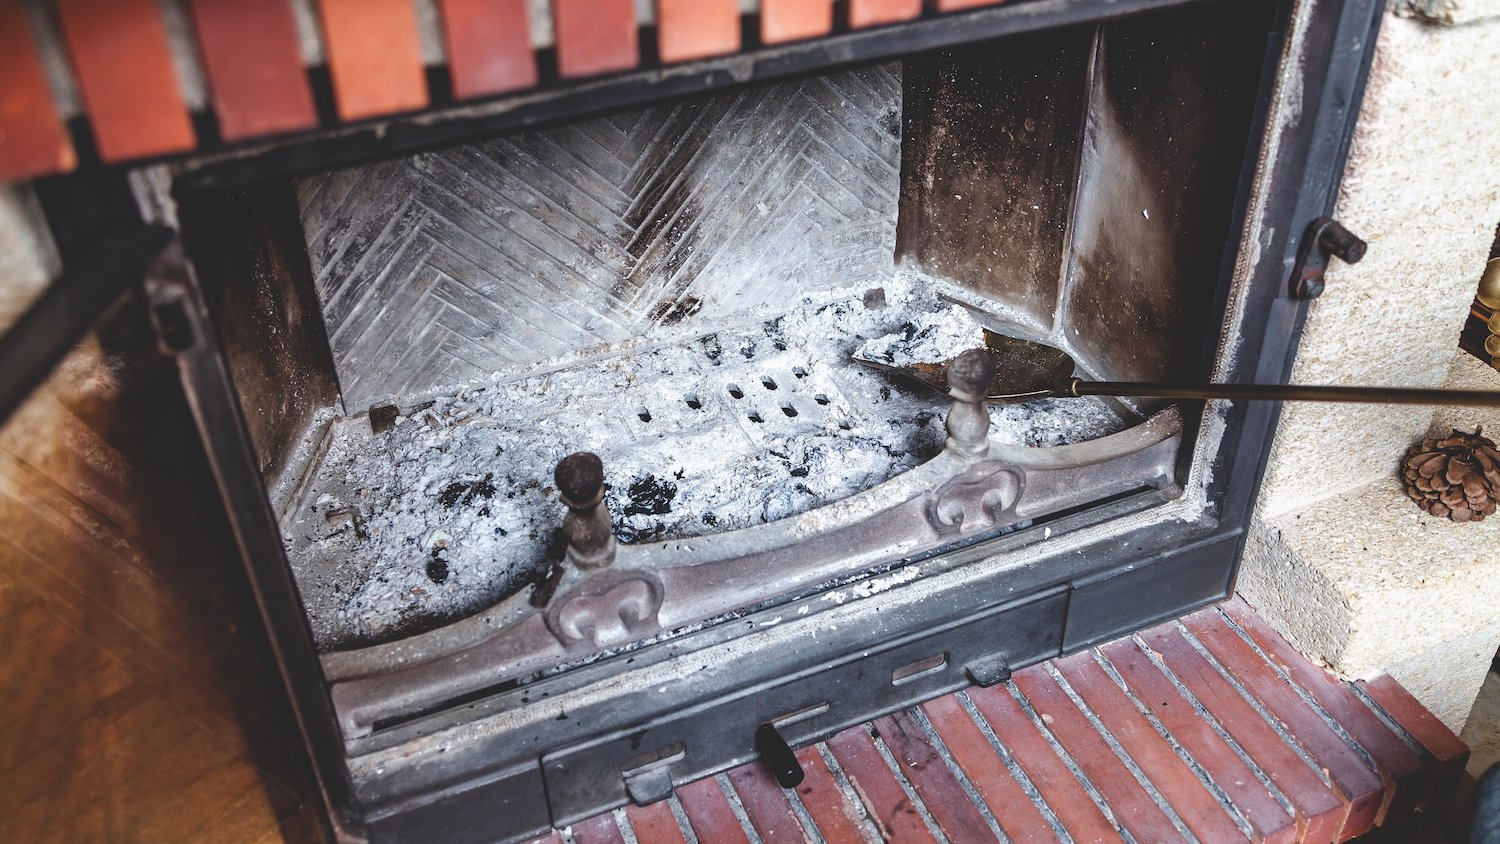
137,702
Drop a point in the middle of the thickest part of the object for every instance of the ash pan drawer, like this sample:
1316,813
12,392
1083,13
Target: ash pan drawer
645,763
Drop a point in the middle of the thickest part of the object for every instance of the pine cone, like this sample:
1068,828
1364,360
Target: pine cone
1457,476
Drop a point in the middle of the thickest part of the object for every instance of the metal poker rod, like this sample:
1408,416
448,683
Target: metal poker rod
1028,371
1282,392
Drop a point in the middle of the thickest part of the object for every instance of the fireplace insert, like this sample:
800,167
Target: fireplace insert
541,432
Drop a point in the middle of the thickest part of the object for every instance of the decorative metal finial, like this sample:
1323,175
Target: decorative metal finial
580,478
969,377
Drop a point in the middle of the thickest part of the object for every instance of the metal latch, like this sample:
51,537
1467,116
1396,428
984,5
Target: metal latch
1325,237
648,777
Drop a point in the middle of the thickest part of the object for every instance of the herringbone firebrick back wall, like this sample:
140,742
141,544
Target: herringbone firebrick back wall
537,248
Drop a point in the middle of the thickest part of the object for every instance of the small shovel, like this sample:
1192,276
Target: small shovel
1027,371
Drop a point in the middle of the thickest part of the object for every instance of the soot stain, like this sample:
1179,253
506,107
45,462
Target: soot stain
466,492
674,311
712,348
650,496
437,570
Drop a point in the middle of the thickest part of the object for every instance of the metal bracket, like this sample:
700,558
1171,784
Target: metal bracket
649,787
648,777
170,319
1324,237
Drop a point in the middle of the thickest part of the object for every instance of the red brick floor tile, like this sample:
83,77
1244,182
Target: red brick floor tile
696,29
1133,806
957,5
1449,754
825,801
1402,768
374,57
1064,794
595,36
1269,820
946,800
878,788
489,46
1320,811
654,823
598,830
709,813
1018,815
1350,775
124,69
863,13
33,141
254,67
794,20
766,803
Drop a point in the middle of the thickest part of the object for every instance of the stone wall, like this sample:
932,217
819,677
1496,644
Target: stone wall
1338,559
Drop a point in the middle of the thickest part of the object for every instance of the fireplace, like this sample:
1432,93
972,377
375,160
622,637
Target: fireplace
394,341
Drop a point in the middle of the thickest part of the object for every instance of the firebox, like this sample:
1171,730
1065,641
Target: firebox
542,432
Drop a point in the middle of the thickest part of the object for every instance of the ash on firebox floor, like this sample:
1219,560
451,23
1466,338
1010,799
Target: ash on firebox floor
453,508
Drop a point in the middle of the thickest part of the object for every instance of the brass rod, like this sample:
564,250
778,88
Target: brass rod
1285,392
